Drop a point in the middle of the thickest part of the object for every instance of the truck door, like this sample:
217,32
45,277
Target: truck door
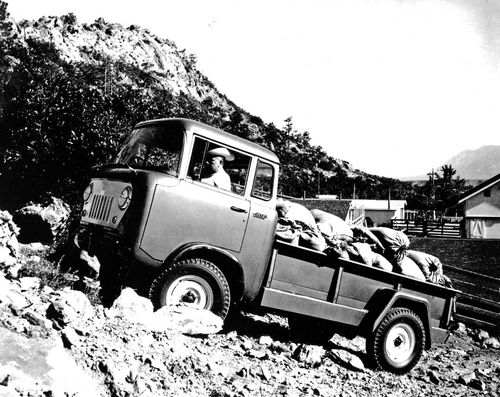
219,204
203,207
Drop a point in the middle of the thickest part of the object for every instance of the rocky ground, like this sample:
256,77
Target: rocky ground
57,343
56,340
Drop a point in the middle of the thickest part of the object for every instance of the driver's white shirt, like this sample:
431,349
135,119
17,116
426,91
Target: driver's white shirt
219,179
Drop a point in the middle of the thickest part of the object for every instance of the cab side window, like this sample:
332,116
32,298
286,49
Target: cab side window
236,165
263,183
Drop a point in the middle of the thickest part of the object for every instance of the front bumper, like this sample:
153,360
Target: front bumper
99,241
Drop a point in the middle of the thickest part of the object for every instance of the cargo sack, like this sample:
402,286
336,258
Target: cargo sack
381,263
395,243
365,235
336,248
331,225
288,231
312,239
409,268
296,225
429,264
297,213
365,253
431,267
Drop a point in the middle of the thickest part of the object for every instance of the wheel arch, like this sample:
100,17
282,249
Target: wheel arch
225,261
418,305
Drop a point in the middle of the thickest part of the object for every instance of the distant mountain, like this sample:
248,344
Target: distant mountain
472,165
482,163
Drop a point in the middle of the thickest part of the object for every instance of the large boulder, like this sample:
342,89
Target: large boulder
172,319
42,223
69,306
11,295
9,245
131,307
41,367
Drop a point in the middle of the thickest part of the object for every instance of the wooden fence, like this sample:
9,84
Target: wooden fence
478,303
427,228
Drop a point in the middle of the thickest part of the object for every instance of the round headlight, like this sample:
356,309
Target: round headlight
88,192
125,197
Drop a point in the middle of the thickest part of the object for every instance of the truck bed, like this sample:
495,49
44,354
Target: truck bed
311,283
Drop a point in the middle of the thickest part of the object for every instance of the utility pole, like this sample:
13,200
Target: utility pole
431,176
319,182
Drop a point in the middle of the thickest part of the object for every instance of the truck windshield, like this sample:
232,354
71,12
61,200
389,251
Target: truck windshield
153,147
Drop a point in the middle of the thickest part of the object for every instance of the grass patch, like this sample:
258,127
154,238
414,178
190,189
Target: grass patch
36,264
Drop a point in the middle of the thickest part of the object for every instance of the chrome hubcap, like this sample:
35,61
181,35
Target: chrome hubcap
190,290
400,343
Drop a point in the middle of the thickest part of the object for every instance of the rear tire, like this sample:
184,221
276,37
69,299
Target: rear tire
195,282
310,330
398,342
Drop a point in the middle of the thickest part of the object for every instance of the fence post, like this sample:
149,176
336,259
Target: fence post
424,231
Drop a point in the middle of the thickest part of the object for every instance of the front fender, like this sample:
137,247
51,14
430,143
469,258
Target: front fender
225,261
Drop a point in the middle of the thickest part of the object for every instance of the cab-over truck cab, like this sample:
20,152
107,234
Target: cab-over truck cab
149,217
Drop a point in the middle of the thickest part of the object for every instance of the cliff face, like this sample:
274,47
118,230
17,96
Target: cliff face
104,44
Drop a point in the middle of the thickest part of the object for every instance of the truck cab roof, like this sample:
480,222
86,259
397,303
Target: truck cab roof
216,134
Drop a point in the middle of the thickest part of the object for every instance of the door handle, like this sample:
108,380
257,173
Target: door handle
238,209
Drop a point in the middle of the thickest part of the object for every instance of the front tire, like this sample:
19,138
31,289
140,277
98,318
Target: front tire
398,342
195,282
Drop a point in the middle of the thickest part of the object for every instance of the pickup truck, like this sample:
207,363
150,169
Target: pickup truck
155,224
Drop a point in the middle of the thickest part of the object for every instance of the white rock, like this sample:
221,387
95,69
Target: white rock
186,320
69,306
265,340
69,337
310,355
43,363
131,307
28,283
349,359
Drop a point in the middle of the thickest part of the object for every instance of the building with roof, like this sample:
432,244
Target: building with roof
482,209
381,212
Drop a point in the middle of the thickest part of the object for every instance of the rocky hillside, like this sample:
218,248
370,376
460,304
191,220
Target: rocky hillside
70,91
106,45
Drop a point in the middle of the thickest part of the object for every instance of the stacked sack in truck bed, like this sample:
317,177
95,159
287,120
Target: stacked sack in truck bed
380,247
296,225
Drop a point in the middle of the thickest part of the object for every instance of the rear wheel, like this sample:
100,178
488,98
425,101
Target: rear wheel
398,342
309,329
194,282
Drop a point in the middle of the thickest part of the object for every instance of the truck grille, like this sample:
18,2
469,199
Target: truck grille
100,207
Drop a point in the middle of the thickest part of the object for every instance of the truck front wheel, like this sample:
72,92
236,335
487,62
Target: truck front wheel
195,282
398,342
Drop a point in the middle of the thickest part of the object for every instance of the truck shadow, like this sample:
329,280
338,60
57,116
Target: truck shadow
255,324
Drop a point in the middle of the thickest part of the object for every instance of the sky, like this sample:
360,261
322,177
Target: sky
395,87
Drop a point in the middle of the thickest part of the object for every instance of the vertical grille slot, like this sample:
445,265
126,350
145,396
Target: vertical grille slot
101,207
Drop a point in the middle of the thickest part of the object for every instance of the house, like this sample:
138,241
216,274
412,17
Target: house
482,209
381,211
355,211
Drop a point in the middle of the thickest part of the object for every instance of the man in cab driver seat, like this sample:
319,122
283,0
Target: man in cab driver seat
217,176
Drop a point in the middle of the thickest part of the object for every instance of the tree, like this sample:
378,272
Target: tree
448,189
